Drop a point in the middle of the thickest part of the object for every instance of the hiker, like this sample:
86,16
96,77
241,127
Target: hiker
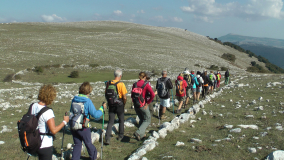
199,87
141,103
194,83
46,122
218,79
227,77
115,94
148,95
186,77
205,84
164,84
212,79
181,85
81,109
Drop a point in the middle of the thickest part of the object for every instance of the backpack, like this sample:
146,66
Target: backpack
187,79
28,131
111,94
162,90
227,74
199,83
211,77
192,80
76,118
179,87
136,95
218,77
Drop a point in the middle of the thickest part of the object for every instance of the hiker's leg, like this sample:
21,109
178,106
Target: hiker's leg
77,145
45,153
180,104
110,124
140,116
146,121
187,96
120,115
86,136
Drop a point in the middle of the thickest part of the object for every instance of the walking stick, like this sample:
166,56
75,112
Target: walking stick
103,131
173,102
62,156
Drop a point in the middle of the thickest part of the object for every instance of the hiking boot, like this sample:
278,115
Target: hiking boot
119,138
178,111
163,117
137,136
107,142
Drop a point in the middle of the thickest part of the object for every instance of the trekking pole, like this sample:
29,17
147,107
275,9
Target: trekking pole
62,156
103,130
173,102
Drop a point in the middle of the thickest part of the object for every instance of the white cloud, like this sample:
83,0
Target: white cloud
252,10
52,18
159,19
141,11
117,12
203,18
176,19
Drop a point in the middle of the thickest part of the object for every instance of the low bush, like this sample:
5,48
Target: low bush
224,68
213,67
256,68
94,65
197,65
38,69
17,77
8,78
229,57
253,63
74,74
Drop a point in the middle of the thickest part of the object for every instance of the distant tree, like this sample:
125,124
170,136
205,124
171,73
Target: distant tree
74,74
253,63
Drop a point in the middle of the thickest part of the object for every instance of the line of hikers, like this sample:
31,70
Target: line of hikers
37,128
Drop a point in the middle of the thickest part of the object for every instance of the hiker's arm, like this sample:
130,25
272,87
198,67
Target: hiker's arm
170,85
54,129
92,110
124,99
149,89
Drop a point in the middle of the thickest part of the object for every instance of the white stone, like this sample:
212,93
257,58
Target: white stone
220,115
2,142
179,143
228,126
249,126
276,155
199,118
204,112
268,128
280,128
252,150
218,140
175,123
128,124
255,137
260,148
260,98
144,158
54,157
155,134
263,134
162,132
69,146
196,140
236,130
260,108
222,106
277,124
249,116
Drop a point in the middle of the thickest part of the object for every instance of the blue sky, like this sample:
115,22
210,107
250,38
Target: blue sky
214,18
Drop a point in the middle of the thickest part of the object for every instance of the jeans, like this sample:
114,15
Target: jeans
205,91
85,136
144,120
119,110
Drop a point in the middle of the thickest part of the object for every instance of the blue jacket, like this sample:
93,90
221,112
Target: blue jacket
195,81
89,106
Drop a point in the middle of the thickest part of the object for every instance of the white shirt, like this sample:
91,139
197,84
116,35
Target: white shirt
47,141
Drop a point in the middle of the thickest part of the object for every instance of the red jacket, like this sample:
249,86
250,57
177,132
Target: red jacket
146,89
184,84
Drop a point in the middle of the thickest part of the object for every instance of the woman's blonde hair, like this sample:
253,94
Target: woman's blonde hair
142,75
85,88
47,93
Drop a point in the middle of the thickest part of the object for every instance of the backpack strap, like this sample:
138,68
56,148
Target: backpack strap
145,83
44,109
30,108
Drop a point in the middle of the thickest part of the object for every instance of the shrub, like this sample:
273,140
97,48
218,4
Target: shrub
38,69
197,65
229,57
253,63
74,74
56,65
8,78
213,67
256,68
224,68
17,77
93,65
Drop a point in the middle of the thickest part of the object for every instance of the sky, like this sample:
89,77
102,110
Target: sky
214,18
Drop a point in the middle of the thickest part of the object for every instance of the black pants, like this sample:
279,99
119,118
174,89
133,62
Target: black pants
119,111
204,91
45,153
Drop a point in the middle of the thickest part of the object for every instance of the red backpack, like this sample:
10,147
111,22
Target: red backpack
136,95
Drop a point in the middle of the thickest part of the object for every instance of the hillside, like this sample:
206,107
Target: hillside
109,44
242,40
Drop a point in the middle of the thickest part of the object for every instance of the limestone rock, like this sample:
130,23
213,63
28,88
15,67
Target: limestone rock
280,128
249,116
260,108
179,143
252,150
228,126
249,126
236,130
2,142
195,140
276,155
155,134
162,132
